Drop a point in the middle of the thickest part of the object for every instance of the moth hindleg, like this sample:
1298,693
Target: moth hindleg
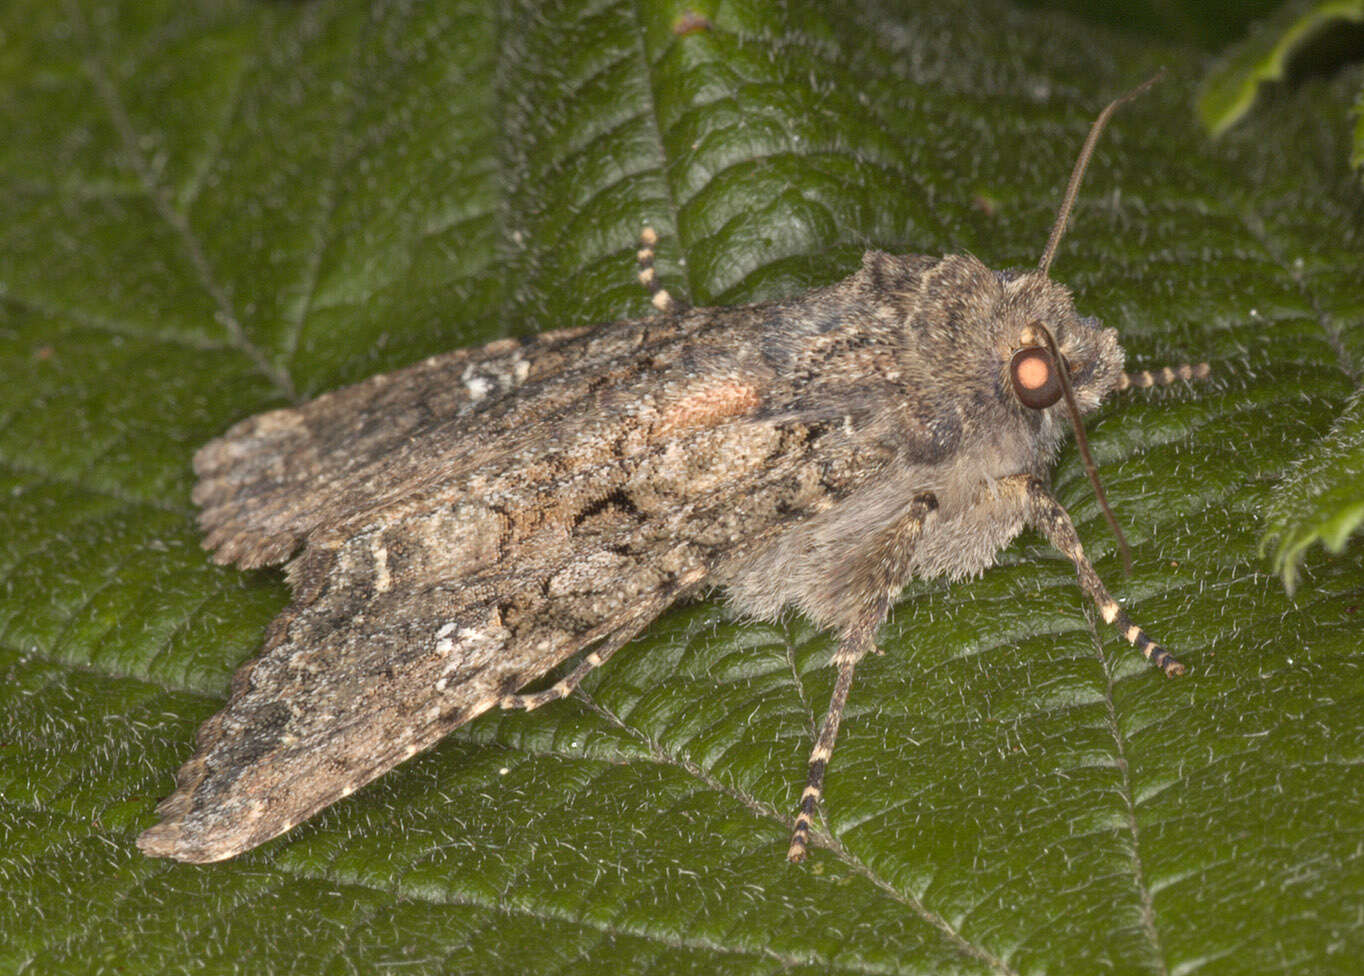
879,574
1047,515
622,633
564,686
648,275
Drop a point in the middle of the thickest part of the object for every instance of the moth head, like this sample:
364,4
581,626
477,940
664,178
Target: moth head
1039,315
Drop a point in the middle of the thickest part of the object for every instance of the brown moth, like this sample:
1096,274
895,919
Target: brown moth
463,526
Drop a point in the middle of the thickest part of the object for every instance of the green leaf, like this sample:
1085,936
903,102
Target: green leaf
1230,89
1322,499
211,209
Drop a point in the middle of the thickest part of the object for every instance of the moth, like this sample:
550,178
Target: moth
459,528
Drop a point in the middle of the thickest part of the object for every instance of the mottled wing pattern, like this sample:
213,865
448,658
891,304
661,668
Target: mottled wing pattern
479,552
274,477
370,672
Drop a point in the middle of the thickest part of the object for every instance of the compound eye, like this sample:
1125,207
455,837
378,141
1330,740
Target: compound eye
1034,377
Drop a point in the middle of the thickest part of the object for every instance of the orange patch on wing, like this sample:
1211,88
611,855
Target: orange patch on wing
709,403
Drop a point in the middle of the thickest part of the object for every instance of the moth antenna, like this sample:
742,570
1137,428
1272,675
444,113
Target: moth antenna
1058,229
1082,442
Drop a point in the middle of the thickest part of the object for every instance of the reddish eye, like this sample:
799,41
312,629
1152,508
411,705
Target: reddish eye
1034,378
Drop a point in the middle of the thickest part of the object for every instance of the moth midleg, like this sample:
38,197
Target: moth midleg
880,573
1047,516
648,275
846,658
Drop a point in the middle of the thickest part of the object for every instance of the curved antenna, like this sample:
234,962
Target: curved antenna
1082,442
1058,229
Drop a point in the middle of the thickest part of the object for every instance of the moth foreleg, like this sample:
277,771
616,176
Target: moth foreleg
877,573
648,275
1047,516
1164,376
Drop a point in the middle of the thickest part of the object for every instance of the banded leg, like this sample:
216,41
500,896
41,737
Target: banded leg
1047,516
1164,376
880,572
622,634
564,686
846,659
648,276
